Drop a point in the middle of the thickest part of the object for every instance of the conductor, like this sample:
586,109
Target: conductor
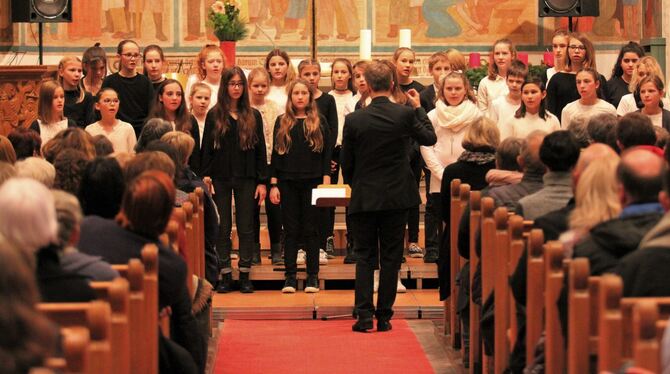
375,163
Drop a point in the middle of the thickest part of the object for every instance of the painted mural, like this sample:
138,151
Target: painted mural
180,25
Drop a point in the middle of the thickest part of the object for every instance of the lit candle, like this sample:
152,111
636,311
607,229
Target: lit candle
523,57
365,47
405,38
474,60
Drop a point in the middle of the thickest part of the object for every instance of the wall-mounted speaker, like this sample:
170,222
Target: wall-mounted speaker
568,8
34,11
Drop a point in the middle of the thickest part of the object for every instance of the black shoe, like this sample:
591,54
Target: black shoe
290,284
362,325
430,257
225,284
312,284
350,258
245,283
383,325
275,254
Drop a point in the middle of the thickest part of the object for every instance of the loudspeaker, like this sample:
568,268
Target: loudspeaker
34,11
568,8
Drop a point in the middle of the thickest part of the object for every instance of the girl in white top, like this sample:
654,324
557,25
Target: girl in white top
532,114
341,73
361,87
119,133
651,92
198,101
210,64
50,118
280,69
589,104
455,110
259,81
494,85
647,65
559,48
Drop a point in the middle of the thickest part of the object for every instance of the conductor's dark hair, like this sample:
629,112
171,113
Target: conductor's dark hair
379,76
559,151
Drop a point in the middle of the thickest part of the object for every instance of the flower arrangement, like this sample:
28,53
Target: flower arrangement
226,22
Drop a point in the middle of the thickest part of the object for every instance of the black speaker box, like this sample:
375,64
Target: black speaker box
34,11
568,8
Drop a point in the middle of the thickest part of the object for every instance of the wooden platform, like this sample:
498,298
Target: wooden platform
415,304
414,268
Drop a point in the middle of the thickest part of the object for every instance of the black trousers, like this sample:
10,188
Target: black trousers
432,220
327,215
413,213
273,215
243,190
379,239
300,220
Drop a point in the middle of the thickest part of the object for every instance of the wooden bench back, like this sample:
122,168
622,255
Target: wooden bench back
534,292
475,310
74,343
554,276
501,289
117,294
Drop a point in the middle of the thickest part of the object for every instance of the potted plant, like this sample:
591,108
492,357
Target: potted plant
229,27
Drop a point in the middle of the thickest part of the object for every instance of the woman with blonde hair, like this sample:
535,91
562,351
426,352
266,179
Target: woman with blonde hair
596,200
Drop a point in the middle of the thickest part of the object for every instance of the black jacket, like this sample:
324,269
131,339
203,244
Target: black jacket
374,157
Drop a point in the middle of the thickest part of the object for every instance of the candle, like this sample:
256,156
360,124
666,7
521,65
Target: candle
548,58
523,57
405,38
475,60
365,47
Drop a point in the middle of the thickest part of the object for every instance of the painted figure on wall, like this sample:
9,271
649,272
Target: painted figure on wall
137,8
86,22
115,20
346,18
5,22
194,16
607,24
653,19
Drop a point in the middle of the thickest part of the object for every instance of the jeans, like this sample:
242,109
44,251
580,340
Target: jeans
243,190
300,220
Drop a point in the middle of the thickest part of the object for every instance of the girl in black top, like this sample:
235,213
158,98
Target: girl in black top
300,162
562,88
622,72
404,59
170,105
154,58
234,156
78,103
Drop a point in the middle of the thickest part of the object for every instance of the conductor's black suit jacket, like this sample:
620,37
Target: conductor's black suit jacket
374,155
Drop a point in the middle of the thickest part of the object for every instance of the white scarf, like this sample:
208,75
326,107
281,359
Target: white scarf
456,118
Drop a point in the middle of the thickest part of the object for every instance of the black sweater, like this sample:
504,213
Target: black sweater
301,162
229,160
616,88
413,84
135,95
328,109
83,114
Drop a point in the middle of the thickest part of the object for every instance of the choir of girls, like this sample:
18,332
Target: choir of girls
269,135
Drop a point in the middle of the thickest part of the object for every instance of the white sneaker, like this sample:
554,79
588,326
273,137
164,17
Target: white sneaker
234,256
376,281
401,287
415,251
323,257
301,257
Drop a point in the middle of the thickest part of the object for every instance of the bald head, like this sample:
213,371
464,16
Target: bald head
640,174
590,153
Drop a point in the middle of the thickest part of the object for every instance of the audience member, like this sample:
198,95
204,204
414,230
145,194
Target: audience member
103,147
71,138
28,337
70,165
7,171
662,136
69,215
634,129
559,152
507,170
29,222
26,142
102,186
152,130
578,128
7,153
37,169
602,129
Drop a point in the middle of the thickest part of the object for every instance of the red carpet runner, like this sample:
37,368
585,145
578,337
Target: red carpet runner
317,347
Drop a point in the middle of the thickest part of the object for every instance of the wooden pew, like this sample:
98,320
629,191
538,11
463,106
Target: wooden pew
517,246
198,201
117,294
75,343
475,358
579,316
150,261
96,317
554,276
501,289
488,231
459,194
534,292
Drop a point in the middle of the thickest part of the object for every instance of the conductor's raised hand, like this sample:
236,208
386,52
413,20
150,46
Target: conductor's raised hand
414,98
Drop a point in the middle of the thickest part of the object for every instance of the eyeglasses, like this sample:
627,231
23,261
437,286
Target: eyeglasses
109,101
131,55
577,47
235,84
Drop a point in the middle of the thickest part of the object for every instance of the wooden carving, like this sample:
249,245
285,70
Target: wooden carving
19,92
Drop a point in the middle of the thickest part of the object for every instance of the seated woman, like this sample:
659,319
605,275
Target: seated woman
28,221
28,336
145,211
